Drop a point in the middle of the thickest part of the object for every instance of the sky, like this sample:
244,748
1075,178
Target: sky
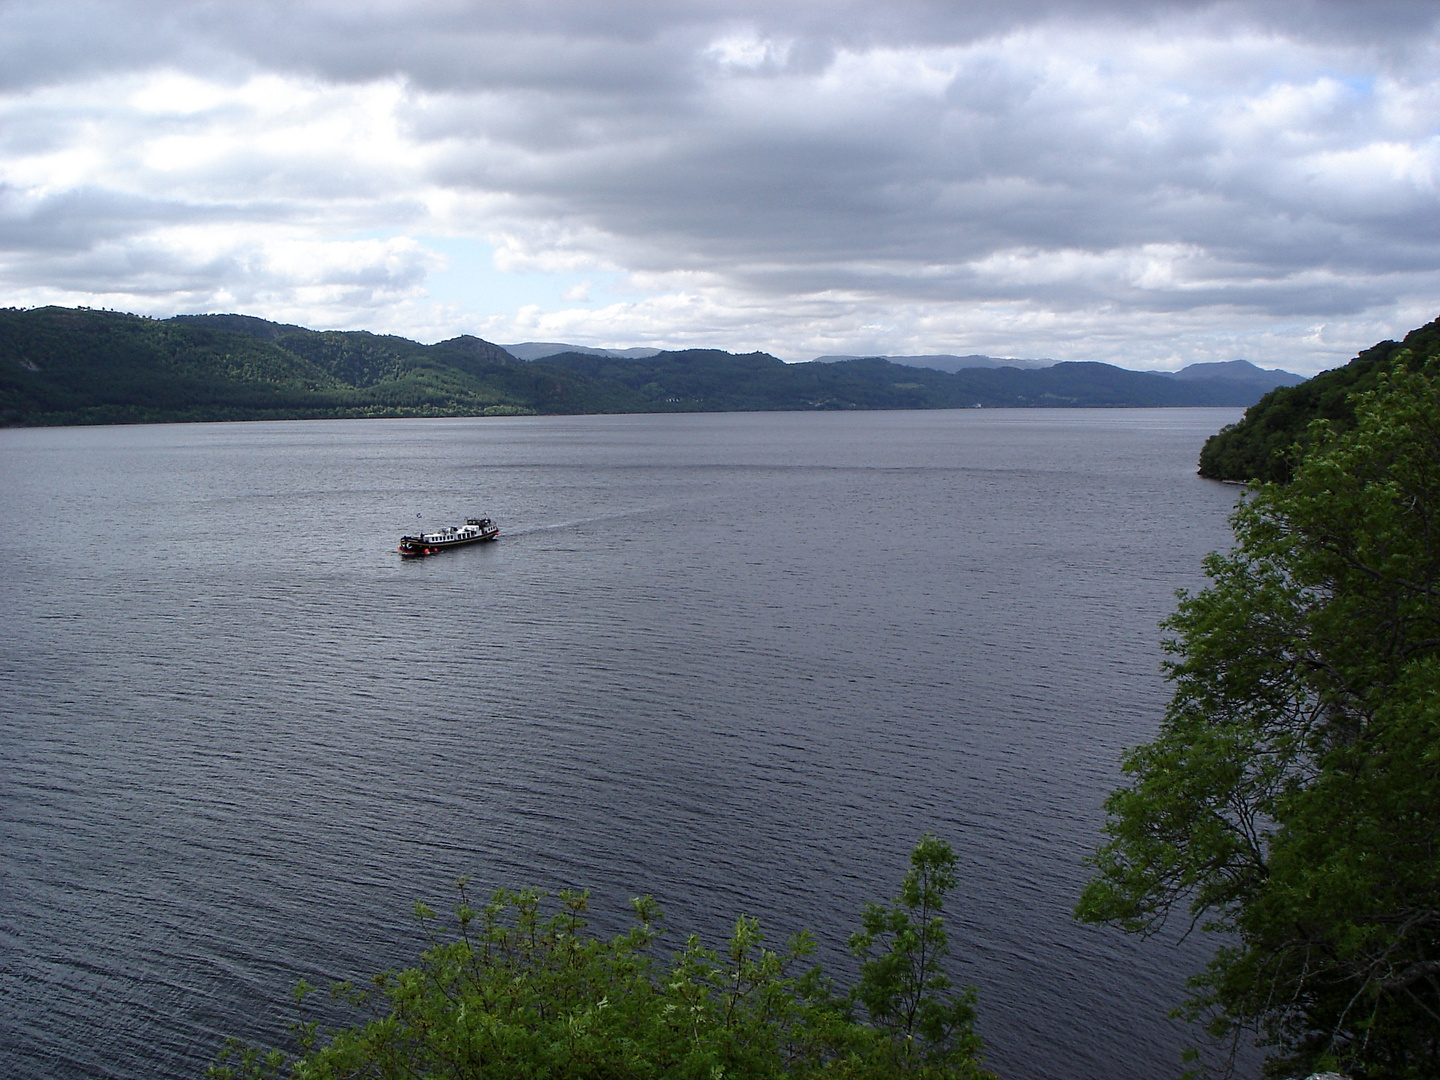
1145,184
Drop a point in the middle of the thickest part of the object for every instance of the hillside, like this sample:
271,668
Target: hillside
1265,444
79,366
65,366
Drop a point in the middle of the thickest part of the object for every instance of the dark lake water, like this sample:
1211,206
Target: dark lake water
740,661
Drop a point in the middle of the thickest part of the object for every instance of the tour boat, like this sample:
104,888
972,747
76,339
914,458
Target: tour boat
474,531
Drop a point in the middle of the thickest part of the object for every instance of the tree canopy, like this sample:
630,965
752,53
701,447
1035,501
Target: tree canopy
1291,801
514,991
1271,438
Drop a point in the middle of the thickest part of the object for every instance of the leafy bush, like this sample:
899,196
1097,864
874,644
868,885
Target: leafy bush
513,992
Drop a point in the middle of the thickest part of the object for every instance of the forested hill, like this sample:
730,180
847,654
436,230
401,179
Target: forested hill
1265,445
714,380
79,366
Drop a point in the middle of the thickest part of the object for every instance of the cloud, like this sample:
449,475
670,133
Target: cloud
1132,182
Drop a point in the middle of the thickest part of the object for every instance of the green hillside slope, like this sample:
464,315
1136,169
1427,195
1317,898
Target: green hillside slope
64,366
1266,444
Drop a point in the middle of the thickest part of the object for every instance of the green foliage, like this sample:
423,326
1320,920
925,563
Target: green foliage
513,993
903,987
1292,798
1272,437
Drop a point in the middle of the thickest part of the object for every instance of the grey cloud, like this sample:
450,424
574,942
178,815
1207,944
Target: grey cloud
96,242
81,219
448,44
78,220
928,185
774,176
130,269
184,283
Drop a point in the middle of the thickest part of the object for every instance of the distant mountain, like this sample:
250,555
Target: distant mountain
538,350
78,366
711,380
1241,371
1232,370
947,361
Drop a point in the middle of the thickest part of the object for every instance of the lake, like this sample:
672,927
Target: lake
738,661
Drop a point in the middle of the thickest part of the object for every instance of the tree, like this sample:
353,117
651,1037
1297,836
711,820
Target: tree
926,1028
1275,431
513,993
1291,801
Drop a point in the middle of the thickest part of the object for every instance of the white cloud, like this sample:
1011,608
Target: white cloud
749,51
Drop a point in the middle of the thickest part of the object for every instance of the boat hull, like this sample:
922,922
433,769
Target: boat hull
475,532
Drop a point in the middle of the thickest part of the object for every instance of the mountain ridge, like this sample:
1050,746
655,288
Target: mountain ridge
82,366
1231,370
